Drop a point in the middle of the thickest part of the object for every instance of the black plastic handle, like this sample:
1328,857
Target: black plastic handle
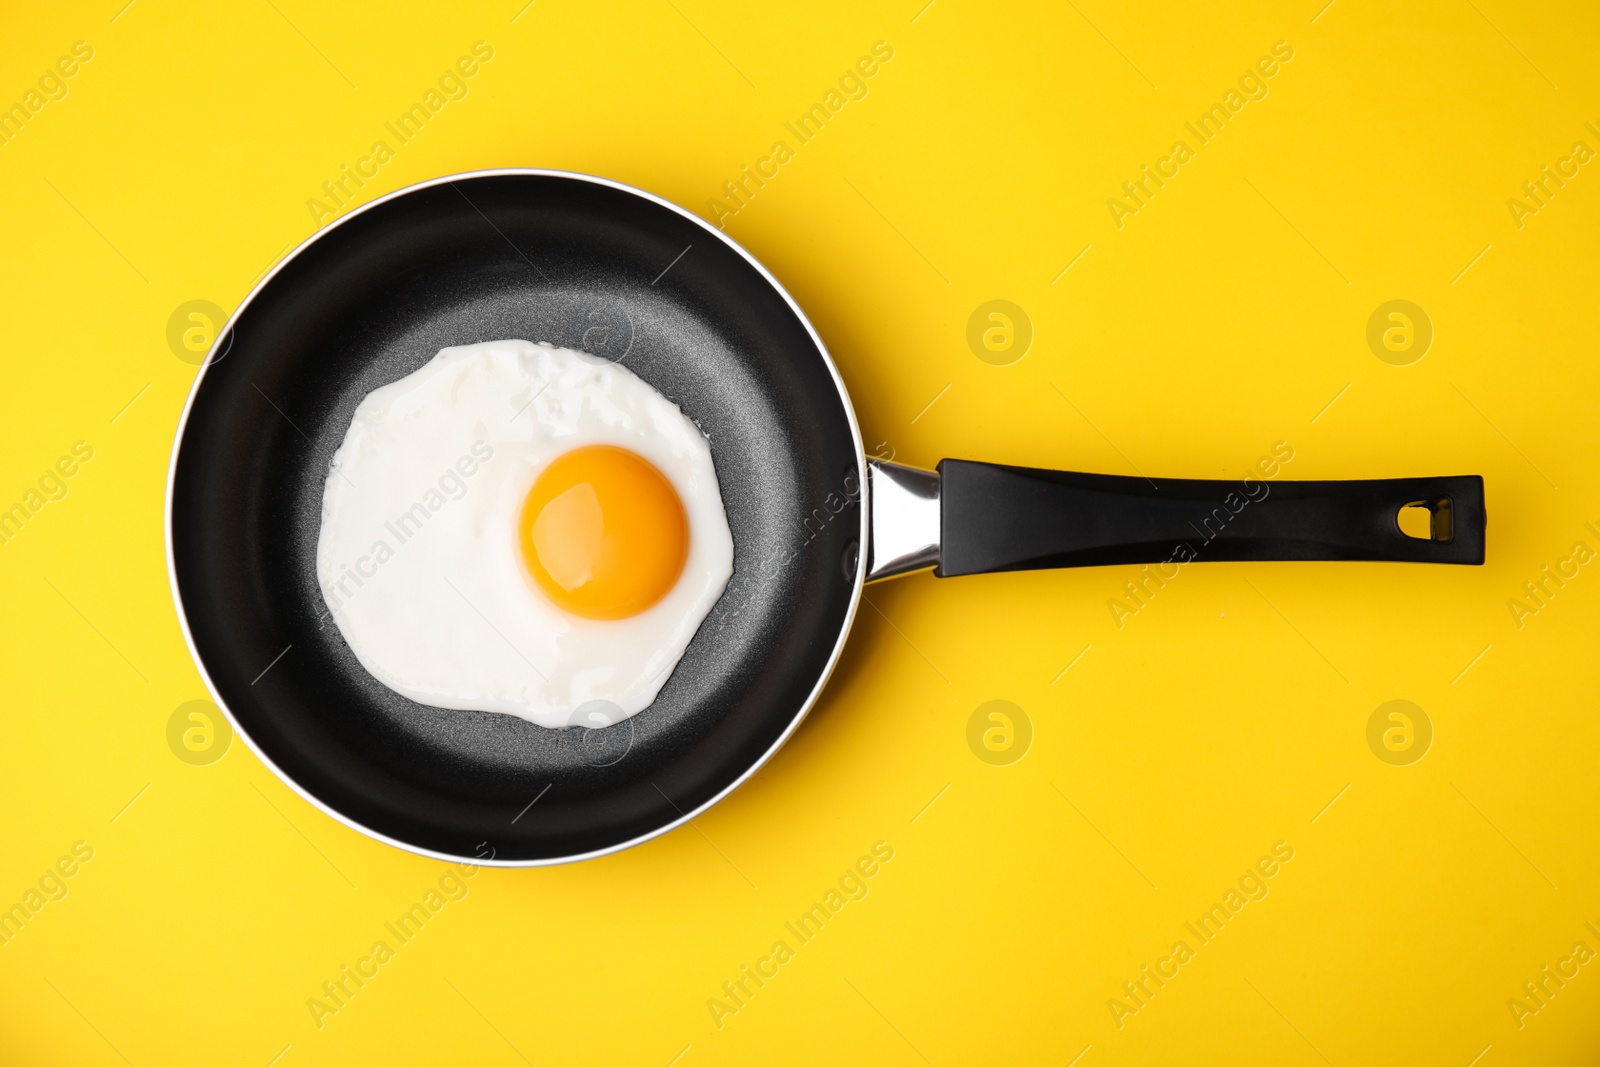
998,518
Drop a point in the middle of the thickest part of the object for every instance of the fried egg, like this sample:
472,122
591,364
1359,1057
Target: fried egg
522,529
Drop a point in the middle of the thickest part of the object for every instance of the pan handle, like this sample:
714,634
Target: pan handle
1000,518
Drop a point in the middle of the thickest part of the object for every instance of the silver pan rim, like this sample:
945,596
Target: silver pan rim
861,534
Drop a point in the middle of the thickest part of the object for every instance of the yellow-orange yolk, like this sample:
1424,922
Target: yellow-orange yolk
603,532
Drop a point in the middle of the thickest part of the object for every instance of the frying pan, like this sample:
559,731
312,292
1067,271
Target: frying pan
591,264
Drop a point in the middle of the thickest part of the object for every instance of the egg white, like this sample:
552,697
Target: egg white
418,558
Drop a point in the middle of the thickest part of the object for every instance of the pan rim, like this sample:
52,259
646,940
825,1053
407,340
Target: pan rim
811,698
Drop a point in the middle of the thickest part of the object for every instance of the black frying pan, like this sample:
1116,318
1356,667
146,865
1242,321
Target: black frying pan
584,263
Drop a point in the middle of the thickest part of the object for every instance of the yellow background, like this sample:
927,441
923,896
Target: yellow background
1223,717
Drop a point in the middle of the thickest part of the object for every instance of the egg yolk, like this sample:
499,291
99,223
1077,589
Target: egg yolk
603,532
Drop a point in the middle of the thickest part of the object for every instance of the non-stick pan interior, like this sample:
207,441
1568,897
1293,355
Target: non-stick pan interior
547,258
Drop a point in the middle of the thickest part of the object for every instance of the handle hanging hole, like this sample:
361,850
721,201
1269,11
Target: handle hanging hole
1426,520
